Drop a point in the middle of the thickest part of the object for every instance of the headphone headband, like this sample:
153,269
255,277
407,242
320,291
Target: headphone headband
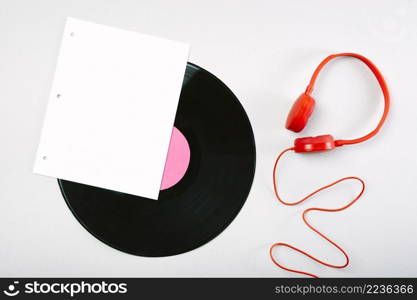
381,82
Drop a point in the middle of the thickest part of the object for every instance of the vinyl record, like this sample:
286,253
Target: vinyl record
207,198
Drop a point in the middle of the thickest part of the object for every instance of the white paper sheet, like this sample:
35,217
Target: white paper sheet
111,108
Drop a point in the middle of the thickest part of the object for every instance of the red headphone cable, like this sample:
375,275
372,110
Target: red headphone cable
308,224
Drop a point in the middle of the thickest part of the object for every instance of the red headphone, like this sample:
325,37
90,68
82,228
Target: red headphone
304,106
296,121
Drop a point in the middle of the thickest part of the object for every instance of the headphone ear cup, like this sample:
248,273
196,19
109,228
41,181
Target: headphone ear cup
300,113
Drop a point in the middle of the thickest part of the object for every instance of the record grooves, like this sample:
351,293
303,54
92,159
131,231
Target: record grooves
203,203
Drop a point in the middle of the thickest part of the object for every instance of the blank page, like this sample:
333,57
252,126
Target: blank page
111,108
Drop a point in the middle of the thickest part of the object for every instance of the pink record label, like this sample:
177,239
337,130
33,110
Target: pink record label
177,161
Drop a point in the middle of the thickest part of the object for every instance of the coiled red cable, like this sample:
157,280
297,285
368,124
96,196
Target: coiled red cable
308,224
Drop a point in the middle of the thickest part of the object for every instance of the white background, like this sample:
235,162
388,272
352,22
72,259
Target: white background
265,51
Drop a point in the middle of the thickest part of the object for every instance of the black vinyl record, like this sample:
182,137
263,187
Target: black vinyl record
203,203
